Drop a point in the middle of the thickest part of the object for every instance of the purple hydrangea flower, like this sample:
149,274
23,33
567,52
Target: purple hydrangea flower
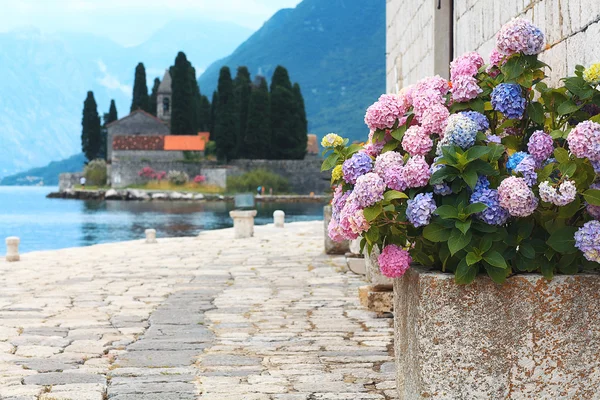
540,145
420,209
520,36
596,165
482,183
494,214
356,166
517,197
514,160
593,210
584,140
508,99
482,122
527,168
368,190
587,239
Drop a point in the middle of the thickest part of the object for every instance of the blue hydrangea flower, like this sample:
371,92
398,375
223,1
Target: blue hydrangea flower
508,99
482,183
595,164
514,160
527,168
356,166
420,209
493,214
440,188
482,122
460,131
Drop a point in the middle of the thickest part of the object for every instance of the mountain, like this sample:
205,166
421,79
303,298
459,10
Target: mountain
47,175
44,79
335,49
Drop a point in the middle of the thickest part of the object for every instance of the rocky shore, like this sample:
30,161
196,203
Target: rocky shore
152,195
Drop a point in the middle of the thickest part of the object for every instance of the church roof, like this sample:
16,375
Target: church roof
165,84
133,114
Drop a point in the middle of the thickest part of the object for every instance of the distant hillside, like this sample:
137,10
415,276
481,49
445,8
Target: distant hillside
45,78
335,49
47,175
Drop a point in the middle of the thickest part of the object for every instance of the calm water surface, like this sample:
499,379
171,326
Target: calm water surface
46,224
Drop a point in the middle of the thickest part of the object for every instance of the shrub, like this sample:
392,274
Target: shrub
199,179
95,172
249,181
147,172
178,177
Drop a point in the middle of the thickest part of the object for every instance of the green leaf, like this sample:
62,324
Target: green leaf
485,243
562,240
536,112
561,155
496,151
473,258
557,134
548,270
436,233
353,148
398,134
465,273
570,209
476,152
394,194
390,146
463,226
527,250
498,275
568,169
441,174
566,264
592,196
330,162
495,259
470,177
578,86
458,241
447,212
513,68
372,235
475,208
372,212
567,107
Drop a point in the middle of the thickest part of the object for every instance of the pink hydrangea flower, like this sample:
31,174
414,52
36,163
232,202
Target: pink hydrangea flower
466,65
416,141
465,88
348,211
394,178
427,92
394,261
584,140
358,223
334,231
368,190
516,197
385,111
519,36
416,172
540,145
435,118
386,160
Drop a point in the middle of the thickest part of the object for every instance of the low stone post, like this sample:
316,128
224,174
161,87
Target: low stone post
12,249
332,247
279,218
243,223
150,235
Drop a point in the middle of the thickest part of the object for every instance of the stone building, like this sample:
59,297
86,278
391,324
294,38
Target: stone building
163,98
423,36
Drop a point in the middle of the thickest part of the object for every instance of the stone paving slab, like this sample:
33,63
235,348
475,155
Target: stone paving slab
211,317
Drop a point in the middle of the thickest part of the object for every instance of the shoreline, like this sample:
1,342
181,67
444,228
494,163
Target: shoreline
162,195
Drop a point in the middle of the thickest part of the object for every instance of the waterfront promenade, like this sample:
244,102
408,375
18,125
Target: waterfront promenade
210,317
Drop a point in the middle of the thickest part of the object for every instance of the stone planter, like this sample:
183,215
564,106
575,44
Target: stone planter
374,275
243,223
527,339
332,247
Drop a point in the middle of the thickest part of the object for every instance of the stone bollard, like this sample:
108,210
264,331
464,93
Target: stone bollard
243,223
150,235
278,218
332,247
12,249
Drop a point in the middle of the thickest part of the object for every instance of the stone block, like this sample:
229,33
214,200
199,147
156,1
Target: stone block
243,223
356,264
527,339
374,275
150,235
12,249
332,247
278,218
377,299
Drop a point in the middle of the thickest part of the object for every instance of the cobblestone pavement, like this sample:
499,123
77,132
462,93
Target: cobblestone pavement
267,318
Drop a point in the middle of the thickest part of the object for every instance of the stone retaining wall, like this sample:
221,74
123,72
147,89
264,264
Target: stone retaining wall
68,180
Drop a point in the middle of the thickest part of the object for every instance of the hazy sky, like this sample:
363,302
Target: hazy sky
130,22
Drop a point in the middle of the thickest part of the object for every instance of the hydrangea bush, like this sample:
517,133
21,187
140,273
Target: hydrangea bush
491,172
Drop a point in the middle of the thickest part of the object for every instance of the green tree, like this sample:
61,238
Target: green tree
91,139
213,114
183,111
301,127
257,139
112,113
225,121
107,118
280,78
283,117
242,88
140,90
152,105
204,113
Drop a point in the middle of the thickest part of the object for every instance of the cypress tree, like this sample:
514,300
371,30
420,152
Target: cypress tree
205,110
257,138
301,124
242,90
152,105
283,116
91,140
112,113
225,121
140,90
213,114
182,111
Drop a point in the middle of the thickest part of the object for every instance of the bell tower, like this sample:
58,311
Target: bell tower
163,98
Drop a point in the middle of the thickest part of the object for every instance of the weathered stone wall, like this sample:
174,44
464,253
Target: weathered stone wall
125,173
416,43
146,155
68,180
527,339
304,176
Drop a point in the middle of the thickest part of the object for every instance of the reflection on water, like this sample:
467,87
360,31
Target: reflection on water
44,224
